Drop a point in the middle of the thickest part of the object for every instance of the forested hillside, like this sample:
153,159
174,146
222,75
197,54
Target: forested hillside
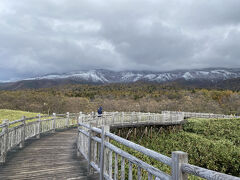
143,97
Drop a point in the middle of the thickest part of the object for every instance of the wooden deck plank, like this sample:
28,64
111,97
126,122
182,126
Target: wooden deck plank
51,157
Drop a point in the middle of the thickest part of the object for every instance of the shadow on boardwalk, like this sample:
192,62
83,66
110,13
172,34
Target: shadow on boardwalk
52,157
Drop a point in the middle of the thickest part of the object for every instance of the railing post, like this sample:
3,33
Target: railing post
102,154
54,123
137,118
89,147
113,119
105,118
116,118
67,119
80,118
106,151
132,117
140,116
23,132
179,157
122,118
78,142
101,120
39,126
5,142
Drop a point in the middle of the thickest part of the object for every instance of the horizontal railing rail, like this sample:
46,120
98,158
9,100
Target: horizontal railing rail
205,173
95,143
111,162
201,115
119,119
15,133
99,153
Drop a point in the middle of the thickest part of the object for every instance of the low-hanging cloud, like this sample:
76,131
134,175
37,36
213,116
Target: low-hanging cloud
45,36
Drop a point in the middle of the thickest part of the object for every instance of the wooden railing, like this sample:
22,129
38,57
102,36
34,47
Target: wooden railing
94,143
122,119
200,115
15,133
103,157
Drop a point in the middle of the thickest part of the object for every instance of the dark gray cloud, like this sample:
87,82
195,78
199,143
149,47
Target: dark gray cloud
44,36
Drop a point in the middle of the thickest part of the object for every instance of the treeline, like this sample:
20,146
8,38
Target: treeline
143,97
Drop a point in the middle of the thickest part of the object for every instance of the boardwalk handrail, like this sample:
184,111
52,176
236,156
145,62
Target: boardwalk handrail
15,133
201,115
94,144
88,143
205,173
119,119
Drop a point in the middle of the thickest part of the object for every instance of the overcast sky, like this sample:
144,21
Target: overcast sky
45,36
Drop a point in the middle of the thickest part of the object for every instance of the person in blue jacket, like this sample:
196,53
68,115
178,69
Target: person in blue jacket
100,111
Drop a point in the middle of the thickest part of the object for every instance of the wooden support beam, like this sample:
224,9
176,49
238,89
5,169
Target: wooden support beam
39,127
5,142
110,164
106,151
89,148
116,167
130,171
178,158
67,119
78,144
23,129
54,123
102,154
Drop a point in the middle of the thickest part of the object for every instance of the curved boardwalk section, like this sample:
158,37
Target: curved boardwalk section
52,157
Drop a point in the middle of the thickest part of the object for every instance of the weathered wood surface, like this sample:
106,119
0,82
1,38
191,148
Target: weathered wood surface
178,162
52,157
55,156
206,173
178,158
124,119
201,115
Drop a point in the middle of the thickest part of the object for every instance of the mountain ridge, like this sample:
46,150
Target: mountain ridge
103,76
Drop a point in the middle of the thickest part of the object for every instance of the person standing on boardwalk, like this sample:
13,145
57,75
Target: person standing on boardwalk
100,111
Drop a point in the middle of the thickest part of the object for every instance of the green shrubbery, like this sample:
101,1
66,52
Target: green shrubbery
214,129
212,144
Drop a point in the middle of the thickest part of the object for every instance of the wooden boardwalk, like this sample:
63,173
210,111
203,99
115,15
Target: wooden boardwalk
52,157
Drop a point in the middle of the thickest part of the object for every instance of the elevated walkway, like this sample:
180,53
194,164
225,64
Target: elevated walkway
52,157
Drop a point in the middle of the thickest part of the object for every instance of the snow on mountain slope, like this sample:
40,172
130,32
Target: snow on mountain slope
187,76
91,75
107,76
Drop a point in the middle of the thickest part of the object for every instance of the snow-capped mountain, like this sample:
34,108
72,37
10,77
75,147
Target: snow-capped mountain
106,76
92,76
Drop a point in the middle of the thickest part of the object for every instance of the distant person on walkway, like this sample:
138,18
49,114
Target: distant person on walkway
100,111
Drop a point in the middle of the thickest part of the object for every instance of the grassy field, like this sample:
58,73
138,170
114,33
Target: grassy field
210,143
12,115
